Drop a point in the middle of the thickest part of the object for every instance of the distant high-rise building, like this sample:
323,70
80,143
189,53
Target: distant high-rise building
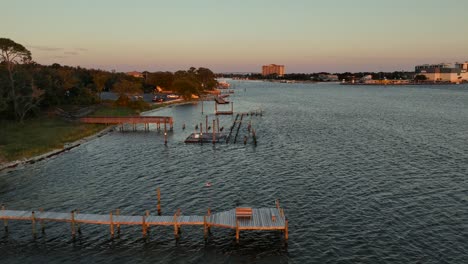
273,69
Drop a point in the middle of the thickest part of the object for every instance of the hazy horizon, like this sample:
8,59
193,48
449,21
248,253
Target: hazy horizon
336,36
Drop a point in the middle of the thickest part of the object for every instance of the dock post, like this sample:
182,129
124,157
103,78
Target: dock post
111,219
117,213
73,223
5,221
77,212
147,216
42,221
202,106
214,132
165,134
33,220
176,228
143,226
205,228
286,230
208,213
206,124
237,231
217,123
232,107
158,192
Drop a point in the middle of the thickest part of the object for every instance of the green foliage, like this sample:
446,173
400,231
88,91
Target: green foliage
40,135
420,77
185,87
127,88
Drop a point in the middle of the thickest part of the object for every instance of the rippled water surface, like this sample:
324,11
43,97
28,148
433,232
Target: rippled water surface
365,174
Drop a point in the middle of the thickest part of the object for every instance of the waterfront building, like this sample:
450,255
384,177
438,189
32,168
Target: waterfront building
273,69
328,77
444,72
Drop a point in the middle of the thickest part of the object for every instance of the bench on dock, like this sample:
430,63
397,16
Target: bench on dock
244,212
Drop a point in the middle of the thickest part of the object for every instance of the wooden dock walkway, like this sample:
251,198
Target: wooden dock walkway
133,120
260,219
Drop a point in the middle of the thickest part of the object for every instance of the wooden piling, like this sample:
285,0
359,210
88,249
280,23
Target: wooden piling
117,213
111,224
232,107
205,228
33,221
143,226
165,134
73,223
217,123
202,106
206,124
147,226
42,221
216,107
214,132
158,192
208,213
286,230
176,228
5,221
78,224
237,231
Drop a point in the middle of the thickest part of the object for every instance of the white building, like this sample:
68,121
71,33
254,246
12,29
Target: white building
444,72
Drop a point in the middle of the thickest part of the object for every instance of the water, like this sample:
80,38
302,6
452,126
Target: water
365,174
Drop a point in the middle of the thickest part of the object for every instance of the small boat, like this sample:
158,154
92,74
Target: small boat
208,184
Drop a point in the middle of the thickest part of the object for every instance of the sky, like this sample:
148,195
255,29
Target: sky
239,35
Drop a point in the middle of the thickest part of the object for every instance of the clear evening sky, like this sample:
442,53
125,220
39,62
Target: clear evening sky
240,35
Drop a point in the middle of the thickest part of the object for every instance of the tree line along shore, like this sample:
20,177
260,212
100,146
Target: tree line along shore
39,103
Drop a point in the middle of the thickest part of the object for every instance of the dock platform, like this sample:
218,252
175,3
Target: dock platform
133,120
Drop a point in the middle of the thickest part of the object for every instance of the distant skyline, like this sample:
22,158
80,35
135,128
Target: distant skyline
239,36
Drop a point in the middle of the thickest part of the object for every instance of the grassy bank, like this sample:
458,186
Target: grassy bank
43,134
40,135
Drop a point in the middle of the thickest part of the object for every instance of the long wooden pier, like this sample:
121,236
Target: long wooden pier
145,120
256,219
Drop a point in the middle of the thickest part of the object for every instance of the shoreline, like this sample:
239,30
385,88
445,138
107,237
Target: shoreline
66,147
12,165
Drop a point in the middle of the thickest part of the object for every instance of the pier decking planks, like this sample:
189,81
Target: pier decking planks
262,219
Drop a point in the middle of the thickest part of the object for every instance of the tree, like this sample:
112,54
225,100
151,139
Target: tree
100,79
185,87
23,93
126,88
420,77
